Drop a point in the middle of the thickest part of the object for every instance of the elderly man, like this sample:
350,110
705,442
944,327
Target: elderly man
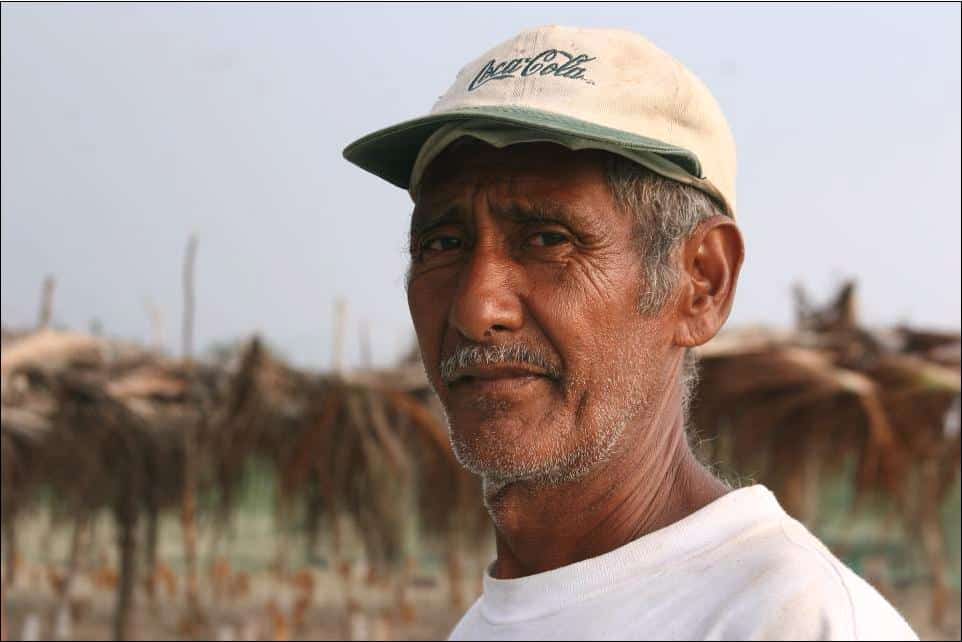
573,236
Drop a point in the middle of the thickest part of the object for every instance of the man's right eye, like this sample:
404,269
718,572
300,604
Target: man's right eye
442,244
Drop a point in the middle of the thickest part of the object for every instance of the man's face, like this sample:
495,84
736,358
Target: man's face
524,289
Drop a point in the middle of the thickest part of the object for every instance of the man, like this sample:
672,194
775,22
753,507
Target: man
573,236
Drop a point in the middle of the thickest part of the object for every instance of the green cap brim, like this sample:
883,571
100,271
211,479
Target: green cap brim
390,153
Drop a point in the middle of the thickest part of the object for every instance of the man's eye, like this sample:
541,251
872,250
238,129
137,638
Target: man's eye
442,243
547,239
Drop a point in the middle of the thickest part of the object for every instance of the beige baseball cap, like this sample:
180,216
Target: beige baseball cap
582,88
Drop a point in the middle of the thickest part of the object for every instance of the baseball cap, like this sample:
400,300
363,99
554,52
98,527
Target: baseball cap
605,89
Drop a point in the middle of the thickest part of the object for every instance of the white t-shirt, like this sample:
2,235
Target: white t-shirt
738,569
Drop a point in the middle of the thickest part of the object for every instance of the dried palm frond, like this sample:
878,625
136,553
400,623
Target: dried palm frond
52,351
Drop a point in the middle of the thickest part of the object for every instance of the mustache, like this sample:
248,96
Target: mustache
473,355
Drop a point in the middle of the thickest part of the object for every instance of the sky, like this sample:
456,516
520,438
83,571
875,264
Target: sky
127,128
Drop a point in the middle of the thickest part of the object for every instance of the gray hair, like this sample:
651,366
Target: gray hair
667,213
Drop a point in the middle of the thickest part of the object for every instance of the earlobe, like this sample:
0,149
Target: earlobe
696,329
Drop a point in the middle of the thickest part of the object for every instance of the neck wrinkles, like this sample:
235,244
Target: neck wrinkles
653,481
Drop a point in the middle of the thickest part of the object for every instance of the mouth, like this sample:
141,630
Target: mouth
495,377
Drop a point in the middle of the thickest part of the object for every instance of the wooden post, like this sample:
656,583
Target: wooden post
187,330
188,516
46,302
11,554
340,324
365,331
281,523
150,543
158,337
455,568
314,511
125,517
64,619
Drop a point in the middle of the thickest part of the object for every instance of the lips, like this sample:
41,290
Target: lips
489,374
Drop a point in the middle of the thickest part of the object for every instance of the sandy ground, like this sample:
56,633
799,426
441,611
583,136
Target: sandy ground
266,612
265,607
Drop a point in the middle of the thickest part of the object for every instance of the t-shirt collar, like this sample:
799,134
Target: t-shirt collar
538,595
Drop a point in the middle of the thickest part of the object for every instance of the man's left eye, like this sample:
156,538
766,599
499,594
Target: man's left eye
547,239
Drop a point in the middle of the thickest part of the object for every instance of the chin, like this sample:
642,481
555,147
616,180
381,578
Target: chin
515,451
505,448
509,449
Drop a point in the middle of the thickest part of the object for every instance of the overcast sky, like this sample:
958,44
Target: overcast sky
127,127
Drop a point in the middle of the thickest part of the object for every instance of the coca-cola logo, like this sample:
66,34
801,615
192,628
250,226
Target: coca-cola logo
550,62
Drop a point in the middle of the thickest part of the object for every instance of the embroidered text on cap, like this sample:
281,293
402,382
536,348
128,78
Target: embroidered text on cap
542,64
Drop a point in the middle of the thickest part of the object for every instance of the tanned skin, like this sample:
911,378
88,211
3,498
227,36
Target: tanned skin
526,246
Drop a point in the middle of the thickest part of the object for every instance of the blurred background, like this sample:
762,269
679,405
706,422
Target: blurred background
215,424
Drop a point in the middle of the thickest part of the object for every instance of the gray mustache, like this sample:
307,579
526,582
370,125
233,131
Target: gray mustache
470,356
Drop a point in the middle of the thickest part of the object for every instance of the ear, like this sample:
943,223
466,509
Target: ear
711,261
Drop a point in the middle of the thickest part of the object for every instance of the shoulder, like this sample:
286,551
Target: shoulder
800,590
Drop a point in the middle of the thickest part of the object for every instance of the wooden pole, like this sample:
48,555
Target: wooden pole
188,516
340,325
125,517
46,302
151,543
64,619
187,330
158,337
11,554
365,331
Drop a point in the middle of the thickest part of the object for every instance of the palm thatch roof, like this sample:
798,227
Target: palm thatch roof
103,423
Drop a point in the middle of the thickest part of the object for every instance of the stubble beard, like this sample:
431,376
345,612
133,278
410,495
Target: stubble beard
561,456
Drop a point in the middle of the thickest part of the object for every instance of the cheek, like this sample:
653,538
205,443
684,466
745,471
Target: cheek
587,317
610,350
428,313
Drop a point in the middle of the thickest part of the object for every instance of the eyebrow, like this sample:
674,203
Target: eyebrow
517,213
422,222
540,212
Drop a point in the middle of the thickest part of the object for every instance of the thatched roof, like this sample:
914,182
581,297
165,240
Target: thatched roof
831,389
372,446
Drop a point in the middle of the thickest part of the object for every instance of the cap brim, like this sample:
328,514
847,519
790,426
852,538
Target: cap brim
390,153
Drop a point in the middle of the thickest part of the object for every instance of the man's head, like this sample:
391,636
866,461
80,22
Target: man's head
572,237
554,293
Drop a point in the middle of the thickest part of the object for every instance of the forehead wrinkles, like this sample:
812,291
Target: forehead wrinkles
495,183
498,193
542,178
474,164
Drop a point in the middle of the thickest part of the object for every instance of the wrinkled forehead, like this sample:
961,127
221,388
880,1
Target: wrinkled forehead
526,172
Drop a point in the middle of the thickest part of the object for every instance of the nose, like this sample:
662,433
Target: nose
487,302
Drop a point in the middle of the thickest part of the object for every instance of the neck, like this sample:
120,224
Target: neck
654,480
